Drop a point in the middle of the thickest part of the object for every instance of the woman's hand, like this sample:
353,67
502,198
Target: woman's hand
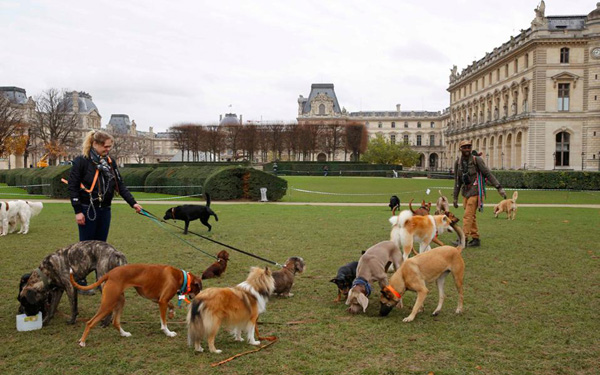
80,218
137,208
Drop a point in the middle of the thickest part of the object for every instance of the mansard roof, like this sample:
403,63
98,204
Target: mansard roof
316,89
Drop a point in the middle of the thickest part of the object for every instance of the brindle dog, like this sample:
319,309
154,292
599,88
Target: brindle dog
51,278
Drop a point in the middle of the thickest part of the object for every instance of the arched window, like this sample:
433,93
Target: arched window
564,55
322,109
561,155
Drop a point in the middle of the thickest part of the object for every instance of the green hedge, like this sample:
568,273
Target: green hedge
244,183
315,168
177,177
135,177
573,180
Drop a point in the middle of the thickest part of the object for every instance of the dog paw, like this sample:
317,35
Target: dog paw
435,313
254,342
170,333
199,349
458,311
82,344
408,319
217,351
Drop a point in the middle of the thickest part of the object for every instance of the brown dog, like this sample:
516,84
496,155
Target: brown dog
509,206
372,266
421,211
155,282
217,268
284,278
442,205
434,264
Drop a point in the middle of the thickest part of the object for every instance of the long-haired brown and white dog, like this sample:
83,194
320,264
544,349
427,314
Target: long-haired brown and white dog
236,308
509,206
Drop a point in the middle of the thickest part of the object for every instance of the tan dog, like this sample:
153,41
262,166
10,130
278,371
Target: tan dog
509,206
284,279
433,265
421,211
155,282
442,205
372,266
237,308
408,228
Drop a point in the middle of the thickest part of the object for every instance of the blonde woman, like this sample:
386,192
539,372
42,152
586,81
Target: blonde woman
92,184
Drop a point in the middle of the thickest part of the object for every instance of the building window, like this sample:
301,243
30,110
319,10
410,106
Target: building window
490,79
505,70
406,124
380,125
526,60
418,140
498,75
432,124
393,125
405,139
432,140
561,156
516,65
322,109
419,124
563,96
393,139
564,55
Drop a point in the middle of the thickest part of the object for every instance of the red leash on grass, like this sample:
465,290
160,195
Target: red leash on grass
273,339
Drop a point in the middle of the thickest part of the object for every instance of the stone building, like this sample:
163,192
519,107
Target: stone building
423,130
534,101
17,97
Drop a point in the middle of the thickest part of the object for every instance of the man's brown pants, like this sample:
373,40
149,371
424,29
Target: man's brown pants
469,218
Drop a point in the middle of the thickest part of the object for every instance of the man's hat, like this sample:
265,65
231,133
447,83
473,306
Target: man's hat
464,143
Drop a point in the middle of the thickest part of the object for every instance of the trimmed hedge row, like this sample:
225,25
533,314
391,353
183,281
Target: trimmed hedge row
244,183
50,176
179,179
315,168
573,180
135,177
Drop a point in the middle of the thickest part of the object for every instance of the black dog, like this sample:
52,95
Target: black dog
189,212
394,202
345,276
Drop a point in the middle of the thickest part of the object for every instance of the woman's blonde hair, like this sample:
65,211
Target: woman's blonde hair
97,136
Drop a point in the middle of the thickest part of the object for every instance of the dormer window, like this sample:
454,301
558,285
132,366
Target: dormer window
564,55
322,109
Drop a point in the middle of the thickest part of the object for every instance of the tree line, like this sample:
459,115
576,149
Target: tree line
276,141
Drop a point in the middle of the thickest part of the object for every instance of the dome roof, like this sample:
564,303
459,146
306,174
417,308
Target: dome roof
230,119
15,95
594,14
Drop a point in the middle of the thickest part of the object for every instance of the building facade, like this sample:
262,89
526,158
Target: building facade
422,130
534,101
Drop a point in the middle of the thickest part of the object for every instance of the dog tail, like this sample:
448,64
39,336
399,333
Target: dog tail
36,207
211,212
410,205
515,195
86,287
461,237
194,322
207,200
441,195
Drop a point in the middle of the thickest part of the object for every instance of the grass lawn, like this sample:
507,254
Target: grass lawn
532,293
379,190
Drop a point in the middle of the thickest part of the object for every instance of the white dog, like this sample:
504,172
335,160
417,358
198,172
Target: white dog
14,212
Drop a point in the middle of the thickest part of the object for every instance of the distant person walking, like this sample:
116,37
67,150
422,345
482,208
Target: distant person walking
470,173
325,170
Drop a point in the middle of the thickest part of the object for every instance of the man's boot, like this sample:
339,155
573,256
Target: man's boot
474,243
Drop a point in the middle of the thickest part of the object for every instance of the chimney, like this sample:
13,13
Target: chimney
241,123
75,102
220,118
151,130
398,107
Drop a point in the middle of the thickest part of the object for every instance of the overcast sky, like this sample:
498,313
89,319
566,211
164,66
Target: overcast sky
170,62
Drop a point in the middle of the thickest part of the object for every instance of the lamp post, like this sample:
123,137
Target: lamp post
582,159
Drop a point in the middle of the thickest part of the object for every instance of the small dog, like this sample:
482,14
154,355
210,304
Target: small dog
372,266
237,308
155,282
344,278
217,268
48,282
509,206
421,211
284,278
189,212
407,228
435,264
442,205
394,202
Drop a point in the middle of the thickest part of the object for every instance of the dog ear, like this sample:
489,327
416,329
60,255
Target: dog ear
30,296
363,301
267,271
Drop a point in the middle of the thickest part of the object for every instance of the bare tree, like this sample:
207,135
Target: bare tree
233,135
277,139
355,139
291,137
214,139
54,123
332,138
264,141
181,133
122,147
249,141
140,149
10,120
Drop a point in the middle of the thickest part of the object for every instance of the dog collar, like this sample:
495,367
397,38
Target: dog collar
361,281
43,277
391,289
173,213
187,280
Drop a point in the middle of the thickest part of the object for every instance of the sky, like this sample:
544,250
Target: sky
165,63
